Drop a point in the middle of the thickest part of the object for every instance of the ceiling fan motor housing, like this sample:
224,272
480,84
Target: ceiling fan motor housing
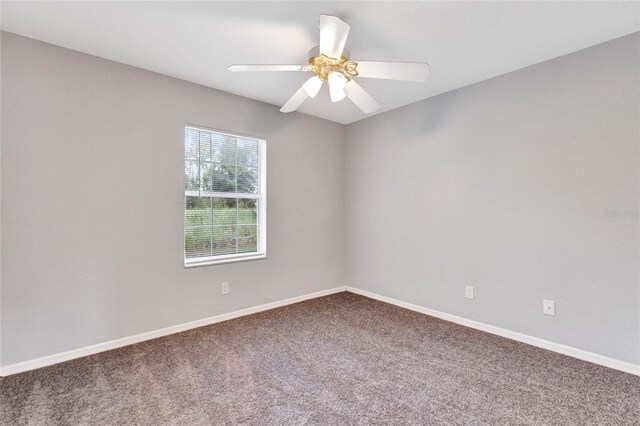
321,65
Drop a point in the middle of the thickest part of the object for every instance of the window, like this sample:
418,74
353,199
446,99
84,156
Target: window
225,197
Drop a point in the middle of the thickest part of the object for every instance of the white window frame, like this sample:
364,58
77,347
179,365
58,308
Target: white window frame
261,196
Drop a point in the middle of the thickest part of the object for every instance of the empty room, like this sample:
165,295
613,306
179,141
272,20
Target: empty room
326,213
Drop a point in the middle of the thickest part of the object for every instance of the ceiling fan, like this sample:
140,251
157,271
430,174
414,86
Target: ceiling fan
330,61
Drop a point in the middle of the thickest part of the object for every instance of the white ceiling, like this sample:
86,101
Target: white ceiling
464,42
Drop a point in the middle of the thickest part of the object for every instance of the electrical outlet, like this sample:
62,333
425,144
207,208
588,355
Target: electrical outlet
549,307
225,288
468,292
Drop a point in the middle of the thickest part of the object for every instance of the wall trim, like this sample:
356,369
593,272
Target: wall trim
583,355
44,361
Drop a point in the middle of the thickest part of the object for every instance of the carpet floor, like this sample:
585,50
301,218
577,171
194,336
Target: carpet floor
341,359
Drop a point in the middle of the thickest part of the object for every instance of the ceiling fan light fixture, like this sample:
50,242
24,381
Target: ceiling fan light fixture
337,82
312,86
330,61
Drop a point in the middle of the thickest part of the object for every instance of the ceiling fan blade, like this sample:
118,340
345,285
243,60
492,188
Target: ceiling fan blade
244,68
297,99
406,71
361,98
333,36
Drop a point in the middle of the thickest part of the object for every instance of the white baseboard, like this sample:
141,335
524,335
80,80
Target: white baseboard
125,341
627,367
118,343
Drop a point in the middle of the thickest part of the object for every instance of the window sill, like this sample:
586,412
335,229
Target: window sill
194,263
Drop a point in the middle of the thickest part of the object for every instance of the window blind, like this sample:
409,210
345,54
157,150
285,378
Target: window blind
224,197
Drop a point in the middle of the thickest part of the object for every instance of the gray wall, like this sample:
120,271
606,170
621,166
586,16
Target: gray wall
504,185
92,202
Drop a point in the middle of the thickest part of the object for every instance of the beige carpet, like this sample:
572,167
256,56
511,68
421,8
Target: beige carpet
341,359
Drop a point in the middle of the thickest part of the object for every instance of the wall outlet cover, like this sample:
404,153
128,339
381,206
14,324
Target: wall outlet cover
549,307
468,292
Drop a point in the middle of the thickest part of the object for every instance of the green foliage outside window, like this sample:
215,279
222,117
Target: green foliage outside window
217,163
